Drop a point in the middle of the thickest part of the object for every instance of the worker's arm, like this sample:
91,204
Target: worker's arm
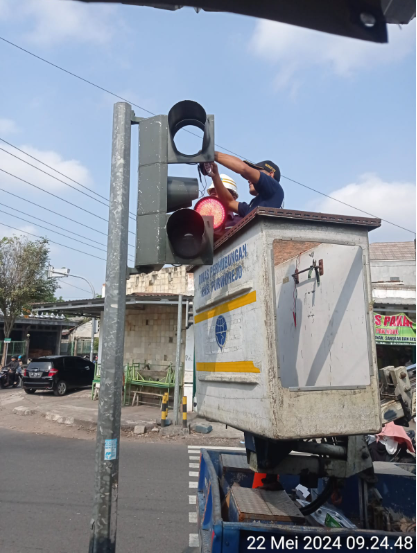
238,166
224,195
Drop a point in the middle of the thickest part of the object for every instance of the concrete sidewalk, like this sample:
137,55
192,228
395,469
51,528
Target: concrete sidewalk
77,409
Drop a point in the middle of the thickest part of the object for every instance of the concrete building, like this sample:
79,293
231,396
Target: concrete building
151,319
77,340
35,336
393,275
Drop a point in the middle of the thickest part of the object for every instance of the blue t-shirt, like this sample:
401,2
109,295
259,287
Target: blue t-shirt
270,194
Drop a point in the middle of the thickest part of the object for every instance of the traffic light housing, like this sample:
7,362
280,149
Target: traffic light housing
185,237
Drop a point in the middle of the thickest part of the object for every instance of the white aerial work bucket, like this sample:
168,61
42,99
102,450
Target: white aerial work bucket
284,346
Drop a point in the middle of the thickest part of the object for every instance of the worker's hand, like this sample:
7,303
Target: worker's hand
211,169
214,168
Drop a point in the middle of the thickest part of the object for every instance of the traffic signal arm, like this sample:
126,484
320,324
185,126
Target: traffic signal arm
238,166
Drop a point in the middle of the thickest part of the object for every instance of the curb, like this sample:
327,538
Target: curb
90,424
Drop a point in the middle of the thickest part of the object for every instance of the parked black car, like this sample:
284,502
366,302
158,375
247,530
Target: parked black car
58,373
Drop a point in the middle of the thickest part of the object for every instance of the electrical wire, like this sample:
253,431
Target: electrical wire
348,205
51,211
51,224
194,134
51,230
57,232
52,241
72,286
52,194
53,176
55,196
56,213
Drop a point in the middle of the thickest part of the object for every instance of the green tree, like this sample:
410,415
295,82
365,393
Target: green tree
23,281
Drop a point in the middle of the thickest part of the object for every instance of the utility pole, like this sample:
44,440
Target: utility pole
177,362
104,522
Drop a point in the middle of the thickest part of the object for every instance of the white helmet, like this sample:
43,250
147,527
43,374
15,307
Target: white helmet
228,183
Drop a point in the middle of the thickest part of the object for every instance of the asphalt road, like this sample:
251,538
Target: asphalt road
46,493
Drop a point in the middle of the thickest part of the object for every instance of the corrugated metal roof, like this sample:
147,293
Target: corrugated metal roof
392,250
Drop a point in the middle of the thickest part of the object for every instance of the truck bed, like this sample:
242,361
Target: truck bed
226,527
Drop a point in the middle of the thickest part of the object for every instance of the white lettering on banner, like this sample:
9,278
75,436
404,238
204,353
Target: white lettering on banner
223,272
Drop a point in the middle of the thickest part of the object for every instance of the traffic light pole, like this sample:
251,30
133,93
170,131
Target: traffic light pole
177,362
104,522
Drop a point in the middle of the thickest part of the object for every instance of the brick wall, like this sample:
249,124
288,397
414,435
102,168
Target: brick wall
287,249
170,280
151,334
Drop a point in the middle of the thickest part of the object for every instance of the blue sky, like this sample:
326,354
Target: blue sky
335,114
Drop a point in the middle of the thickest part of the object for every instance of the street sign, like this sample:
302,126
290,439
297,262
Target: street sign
7,340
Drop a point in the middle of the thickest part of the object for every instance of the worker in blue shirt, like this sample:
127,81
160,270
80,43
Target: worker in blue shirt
263,179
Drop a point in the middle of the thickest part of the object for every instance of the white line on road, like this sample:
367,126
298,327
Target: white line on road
193,541
194,465
198,447
193,473
192,499
192,517
192,484
194,457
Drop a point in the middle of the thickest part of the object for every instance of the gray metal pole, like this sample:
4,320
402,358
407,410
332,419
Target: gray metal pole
104,522
93,328
177,362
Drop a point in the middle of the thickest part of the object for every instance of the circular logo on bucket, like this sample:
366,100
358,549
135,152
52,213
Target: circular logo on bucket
221,331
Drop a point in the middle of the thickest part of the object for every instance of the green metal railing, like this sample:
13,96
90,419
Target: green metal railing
14,348
78,347
139,375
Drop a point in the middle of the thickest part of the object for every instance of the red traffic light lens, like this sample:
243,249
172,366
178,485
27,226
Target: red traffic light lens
212,206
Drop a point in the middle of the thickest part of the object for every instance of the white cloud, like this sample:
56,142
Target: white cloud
293,49
70,167
54,21
8,126
393,201
21,230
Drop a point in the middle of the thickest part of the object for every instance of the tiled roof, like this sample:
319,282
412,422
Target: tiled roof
392,250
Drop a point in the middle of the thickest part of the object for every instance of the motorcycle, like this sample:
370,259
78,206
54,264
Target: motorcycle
5,380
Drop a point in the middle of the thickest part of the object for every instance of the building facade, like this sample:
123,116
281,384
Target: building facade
393,274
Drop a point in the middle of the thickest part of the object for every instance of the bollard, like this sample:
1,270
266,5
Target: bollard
184,412
164,409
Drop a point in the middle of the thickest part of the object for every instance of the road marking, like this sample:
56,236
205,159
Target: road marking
192,499
193,474
192,448
194,465
192,484
192,517
193,541
194,457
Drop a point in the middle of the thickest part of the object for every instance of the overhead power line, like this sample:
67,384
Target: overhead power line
56,213
51,224
51,230
56,232
52,194
53,176
56,196
52,241
348,205
73,286
190,132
